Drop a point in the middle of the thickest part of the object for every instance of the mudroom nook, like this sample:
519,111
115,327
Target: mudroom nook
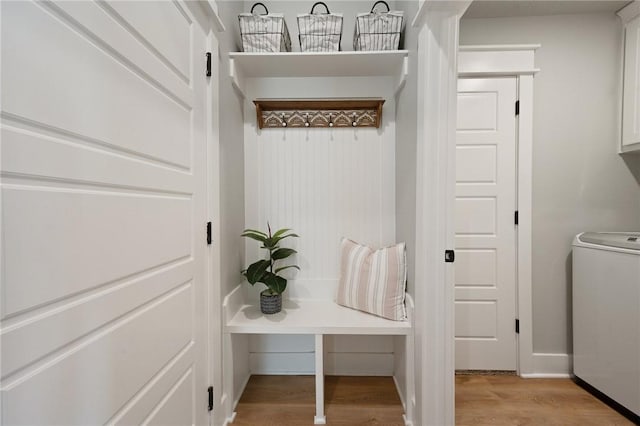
328,180
325,183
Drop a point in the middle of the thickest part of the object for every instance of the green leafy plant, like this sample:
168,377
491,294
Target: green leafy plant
265,270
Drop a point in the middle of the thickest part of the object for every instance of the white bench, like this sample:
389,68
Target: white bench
319,318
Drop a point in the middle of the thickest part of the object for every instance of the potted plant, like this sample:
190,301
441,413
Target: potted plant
265,270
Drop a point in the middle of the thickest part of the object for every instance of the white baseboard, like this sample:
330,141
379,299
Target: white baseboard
552,366
403,399
229,420
400,394
406,421
231,416
239,393
223,404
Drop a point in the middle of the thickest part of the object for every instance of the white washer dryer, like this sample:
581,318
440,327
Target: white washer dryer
606,314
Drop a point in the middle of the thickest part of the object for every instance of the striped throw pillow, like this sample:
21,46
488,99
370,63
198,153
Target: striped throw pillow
373,281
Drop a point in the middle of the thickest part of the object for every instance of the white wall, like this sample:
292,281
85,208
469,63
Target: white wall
579,182
231,184
406,147
325,184
231,156
405,169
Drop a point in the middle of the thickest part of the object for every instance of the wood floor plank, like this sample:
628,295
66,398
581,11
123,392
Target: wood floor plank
290,400
480,400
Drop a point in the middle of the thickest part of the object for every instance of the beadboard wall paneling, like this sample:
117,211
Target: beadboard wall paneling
344,355
325,184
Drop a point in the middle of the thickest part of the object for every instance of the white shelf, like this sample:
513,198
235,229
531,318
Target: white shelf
392,63
312,317
320,64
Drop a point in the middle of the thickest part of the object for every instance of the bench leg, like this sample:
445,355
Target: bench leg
319,419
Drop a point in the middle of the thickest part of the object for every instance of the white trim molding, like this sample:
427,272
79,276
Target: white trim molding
497,60
629,12
517,61
455,8
550,366
525,234
206,13
435,198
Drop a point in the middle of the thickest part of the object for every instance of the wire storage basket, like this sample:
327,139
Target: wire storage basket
264,33
378,30
320,32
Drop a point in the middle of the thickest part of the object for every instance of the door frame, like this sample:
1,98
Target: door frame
214,252
206,15
485,61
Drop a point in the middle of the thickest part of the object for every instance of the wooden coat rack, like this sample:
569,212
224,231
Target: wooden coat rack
283,113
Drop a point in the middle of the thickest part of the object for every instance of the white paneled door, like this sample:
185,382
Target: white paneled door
485,266
103,214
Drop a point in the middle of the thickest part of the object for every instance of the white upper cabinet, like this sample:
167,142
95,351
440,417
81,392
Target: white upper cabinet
631,92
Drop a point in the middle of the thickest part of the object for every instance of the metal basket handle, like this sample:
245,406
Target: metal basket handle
265,8
380,2
321,3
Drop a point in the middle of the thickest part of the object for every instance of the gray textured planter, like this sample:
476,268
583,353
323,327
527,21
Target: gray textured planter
270,303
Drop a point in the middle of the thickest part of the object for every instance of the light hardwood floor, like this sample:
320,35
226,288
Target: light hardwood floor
480,400
510,400
290,401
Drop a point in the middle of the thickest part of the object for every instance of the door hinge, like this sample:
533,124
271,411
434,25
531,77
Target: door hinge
515,217
208,233
208,64
449,256
517,108
210,392
517,326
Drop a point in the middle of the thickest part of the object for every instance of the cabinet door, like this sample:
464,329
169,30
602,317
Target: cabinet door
631,94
